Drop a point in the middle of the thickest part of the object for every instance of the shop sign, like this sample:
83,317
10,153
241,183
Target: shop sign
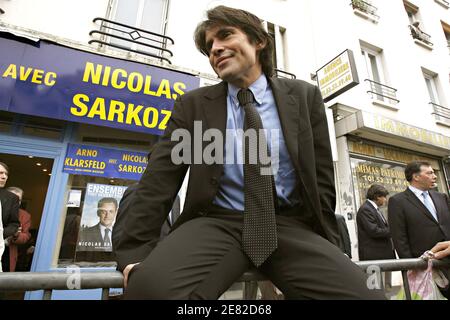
49,80
404,130
337,76
104,162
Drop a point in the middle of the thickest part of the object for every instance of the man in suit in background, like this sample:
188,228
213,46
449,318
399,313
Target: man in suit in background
419,216
98,237
10,214
235,215
374,236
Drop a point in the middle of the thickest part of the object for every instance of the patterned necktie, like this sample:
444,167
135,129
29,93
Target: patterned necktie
259,235
427,202
107,239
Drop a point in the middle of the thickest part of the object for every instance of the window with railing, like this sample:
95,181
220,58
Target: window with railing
420,35
135,26
131,39
441,114
365,7
382,92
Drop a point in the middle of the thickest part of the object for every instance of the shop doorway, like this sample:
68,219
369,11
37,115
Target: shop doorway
32,175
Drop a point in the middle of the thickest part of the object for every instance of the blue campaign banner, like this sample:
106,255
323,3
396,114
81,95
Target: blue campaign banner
53,81
104,162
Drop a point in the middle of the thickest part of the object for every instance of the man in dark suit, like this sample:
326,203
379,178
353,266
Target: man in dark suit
419,216
10,214
374,236
98,237
235,215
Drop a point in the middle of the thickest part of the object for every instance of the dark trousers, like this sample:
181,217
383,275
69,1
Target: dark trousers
203,257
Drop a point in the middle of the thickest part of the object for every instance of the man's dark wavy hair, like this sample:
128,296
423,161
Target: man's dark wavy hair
246,22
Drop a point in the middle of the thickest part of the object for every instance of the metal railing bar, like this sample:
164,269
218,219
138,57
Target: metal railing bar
381,84
129,49
125,32
129,40
134,28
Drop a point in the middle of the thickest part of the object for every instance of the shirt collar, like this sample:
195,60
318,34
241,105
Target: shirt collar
416,191
258,88
373,203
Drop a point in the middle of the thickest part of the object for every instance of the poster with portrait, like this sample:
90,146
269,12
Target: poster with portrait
100,206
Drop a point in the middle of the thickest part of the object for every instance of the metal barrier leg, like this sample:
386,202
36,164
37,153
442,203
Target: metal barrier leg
105,294
47,295
250,290
406,284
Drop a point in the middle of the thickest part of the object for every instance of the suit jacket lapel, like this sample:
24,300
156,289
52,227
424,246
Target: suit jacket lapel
215,107
377,214
413,199
288,112
437,205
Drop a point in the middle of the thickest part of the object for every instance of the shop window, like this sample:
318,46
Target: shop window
90,209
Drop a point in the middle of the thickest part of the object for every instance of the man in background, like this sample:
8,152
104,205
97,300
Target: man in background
24,235
374,236
10,214
419,216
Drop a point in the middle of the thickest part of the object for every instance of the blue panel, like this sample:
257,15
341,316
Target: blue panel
53,81
104,162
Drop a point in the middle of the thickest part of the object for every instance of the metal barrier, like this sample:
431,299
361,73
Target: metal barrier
60,280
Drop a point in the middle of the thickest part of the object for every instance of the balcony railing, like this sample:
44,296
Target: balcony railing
124,37
365,7
418,34
284,74
382,92
441,113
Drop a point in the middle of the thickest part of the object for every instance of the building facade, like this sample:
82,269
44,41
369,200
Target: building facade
87,88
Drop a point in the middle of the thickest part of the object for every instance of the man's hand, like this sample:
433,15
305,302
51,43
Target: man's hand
126,272
16,235
441,250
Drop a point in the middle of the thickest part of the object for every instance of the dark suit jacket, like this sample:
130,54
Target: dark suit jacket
345,243
10,212
124,208
414,230
304,126
374,236
91,240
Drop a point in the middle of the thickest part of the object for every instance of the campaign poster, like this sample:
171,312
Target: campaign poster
100,206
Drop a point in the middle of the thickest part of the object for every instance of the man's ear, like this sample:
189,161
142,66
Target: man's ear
261,44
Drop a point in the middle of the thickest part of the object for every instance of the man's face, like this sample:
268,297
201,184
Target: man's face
107,213
3,176
425,179
232,56
381,201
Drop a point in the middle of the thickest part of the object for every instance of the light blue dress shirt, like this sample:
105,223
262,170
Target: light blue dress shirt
231,188
430,205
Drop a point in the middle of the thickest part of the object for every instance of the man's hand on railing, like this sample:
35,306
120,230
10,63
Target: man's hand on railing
441,250
126,272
